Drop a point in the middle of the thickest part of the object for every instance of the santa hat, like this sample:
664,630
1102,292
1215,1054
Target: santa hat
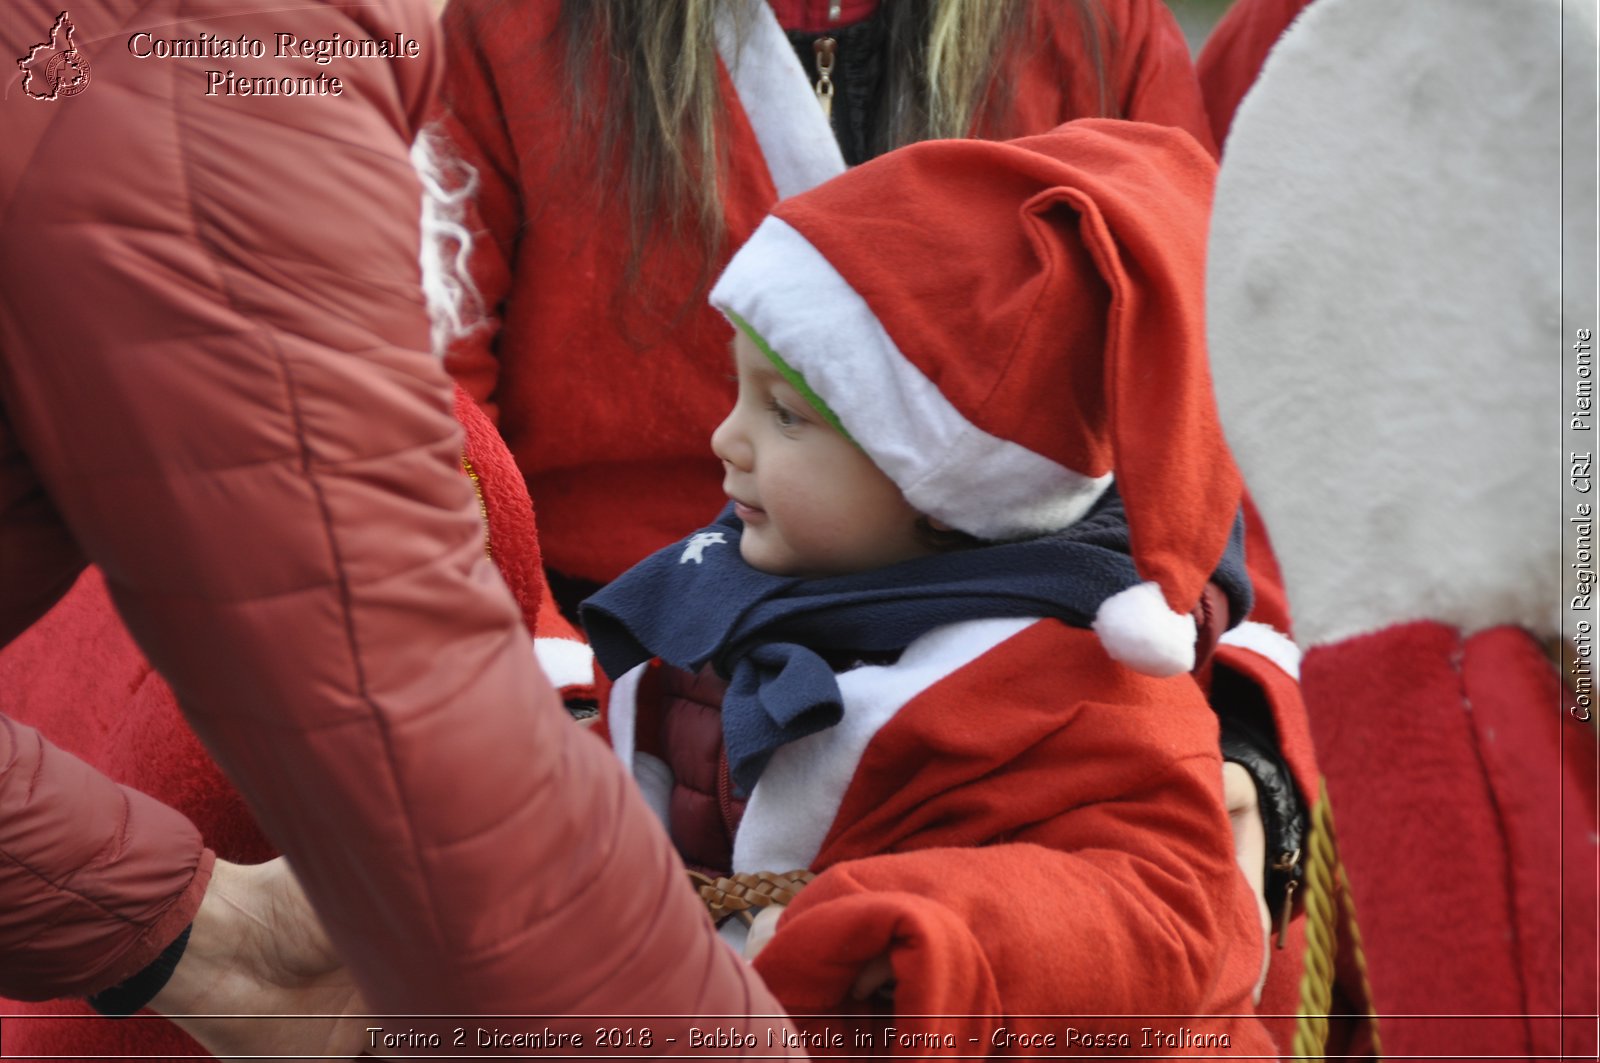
1003,326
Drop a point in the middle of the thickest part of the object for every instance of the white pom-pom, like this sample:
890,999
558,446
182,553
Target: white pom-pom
1137,628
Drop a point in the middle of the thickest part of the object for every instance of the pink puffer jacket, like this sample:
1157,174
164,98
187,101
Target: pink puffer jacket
214,384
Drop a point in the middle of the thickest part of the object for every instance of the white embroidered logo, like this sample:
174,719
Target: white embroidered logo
696,549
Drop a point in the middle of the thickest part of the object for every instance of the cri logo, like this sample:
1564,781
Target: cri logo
55,69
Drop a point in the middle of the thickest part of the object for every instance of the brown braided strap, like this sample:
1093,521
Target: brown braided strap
739,895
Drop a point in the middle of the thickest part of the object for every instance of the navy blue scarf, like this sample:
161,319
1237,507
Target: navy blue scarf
698,601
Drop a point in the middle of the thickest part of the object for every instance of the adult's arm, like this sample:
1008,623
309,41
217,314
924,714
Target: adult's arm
218,364
95,879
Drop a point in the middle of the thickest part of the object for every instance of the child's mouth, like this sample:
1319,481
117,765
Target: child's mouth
747,513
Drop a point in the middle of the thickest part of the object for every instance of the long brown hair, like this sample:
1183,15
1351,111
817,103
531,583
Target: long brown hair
643,79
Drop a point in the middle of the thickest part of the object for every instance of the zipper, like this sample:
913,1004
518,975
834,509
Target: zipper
1286,863
826,49
730,822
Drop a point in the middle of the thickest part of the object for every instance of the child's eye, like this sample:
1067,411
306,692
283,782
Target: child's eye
782,414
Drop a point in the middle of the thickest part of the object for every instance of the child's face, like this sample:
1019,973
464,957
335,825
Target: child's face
812,503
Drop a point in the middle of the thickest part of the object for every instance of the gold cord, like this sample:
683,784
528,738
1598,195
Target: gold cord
483,507
1327,895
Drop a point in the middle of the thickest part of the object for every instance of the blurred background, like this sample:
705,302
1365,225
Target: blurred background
1197,17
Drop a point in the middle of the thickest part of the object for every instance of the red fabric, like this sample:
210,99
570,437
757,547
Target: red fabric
1282,693
1019,855
812,16
962,846
1271,605
218,366
1537,760
1465,807
513,539
624,469
95,880
77,675
1234,52
683,726
549,621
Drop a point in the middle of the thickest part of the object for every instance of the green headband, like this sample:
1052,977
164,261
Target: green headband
789,373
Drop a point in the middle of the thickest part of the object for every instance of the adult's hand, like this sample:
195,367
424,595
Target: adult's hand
257,950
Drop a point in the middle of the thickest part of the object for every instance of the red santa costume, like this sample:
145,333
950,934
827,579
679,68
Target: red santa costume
1025,826
1389,342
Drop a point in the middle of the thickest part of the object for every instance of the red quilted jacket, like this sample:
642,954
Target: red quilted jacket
214,383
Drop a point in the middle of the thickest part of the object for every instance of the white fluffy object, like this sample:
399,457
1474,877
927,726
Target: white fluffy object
1384,312
455,308
1137,628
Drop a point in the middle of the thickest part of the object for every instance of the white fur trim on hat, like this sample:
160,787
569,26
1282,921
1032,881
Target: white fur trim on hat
1138,628
947,467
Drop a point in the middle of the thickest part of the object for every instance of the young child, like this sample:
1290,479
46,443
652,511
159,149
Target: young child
943,356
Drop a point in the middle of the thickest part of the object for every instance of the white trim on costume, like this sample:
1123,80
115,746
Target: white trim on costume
797,798
790,128
1266,641
654,777
566,662
622,713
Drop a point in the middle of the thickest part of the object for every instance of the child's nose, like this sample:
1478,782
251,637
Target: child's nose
730,444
